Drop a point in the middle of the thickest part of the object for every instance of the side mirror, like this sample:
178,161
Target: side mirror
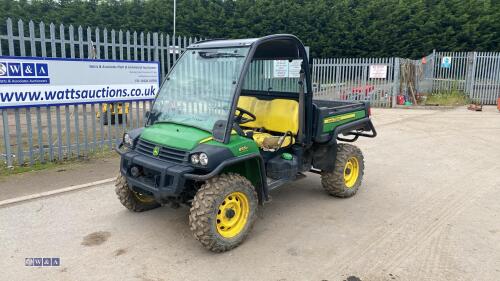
148,116
219,130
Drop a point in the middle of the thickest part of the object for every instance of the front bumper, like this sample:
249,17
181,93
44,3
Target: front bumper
160,178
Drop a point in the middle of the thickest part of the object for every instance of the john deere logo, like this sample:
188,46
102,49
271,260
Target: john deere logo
243,148
156,151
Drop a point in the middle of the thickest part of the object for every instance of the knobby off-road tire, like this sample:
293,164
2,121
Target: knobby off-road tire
210,217
133,201
346,177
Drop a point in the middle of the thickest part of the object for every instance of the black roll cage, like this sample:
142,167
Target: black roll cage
305,100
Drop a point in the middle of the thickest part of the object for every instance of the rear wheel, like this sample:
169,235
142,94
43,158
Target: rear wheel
223,212
132,200
345,179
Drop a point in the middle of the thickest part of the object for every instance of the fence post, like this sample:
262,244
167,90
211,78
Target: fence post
113,44
10,35
42,39
32,38
395,81
156,54
473,75
162,57
71,31
433,69
20,33
468,75
52,32
6,137
168,54
81,52
148,45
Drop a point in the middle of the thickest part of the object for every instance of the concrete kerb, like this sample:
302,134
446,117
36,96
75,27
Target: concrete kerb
31,197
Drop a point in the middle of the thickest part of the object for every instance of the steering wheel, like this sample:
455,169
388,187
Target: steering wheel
240,119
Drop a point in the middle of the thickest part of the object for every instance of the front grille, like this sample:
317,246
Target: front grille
166,153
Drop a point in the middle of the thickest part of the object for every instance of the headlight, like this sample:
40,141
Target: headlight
195,159
199,158
203,159
127,140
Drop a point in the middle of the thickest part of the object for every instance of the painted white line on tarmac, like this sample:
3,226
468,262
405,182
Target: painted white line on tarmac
53,192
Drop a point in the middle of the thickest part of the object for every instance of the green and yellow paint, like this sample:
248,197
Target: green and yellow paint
331,122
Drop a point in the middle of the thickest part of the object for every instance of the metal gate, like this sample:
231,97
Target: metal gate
484,85
476,74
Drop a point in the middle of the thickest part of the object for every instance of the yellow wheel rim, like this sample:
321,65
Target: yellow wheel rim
232,214
351,172
143,198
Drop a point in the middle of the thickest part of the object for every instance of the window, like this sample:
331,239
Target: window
200,88
273,75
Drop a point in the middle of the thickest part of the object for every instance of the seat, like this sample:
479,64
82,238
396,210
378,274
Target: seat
278,117
267,141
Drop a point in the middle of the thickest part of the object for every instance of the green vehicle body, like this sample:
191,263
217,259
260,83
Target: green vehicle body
161,152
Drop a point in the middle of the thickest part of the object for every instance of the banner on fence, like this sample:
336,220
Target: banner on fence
55,81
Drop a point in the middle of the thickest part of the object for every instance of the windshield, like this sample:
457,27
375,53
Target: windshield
200,88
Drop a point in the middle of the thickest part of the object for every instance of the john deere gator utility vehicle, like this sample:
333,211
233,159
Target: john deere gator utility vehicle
233,120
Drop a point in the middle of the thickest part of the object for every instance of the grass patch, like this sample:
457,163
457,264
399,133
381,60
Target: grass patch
5,171
448,98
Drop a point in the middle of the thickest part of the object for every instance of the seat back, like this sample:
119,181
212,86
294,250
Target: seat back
277,115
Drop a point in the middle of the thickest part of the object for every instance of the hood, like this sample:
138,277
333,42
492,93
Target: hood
174,135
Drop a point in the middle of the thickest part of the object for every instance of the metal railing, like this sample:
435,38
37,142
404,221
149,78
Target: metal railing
49,133
476,74
349,79
484,85
39,134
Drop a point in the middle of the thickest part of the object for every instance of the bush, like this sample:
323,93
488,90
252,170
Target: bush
448,98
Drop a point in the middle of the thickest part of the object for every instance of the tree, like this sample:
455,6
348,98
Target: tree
332,28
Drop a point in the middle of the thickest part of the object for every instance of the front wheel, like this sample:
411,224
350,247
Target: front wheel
134,201
345,179
223,212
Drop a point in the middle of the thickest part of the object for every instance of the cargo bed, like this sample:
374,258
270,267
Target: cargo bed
348,118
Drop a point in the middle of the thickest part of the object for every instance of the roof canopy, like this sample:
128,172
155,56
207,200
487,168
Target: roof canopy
278,46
